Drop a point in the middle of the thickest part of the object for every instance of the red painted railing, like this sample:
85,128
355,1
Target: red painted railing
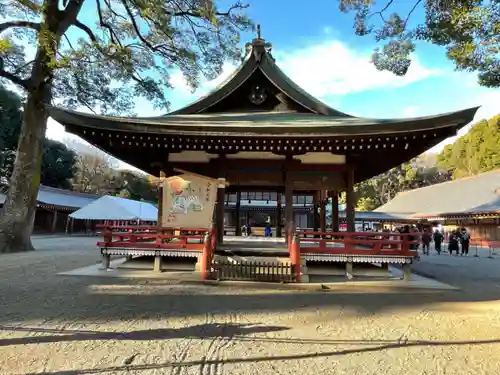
360,243
164,239
205,242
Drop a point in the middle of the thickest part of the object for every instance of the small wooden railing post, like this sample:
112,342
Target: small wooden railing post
347,242
405,243
107,235
213,238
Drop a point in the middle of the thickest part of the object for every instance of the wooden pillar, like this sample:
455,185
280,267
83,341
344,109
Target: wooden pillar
350,200
53,225
407,271
288,203
105,262
238,205
316,215
278,216
322,213
219,215
72,226
157,266
349,269
160,201
335,210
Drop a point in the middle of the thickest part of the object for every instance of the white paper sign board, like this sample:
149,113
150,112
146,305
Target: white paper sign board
188,201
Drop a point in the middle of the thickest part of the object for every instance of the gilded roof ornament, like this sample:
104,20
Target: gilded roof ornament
258,47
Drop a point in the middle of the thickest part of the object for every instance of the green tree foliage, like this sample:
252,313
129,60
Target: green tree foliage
468,29
136,186
128,51
58,163
476,152
11,117
380,189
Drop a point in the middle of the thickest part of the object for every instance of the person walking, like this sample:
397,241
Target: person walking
438,240
465,242
453,242
426,241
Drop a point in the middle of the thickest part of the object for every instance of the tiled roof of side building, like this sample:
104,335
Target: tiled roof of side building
61,198
382,216
476,194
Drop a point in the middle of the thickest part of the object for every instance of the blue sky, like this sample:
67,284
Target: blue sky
316,46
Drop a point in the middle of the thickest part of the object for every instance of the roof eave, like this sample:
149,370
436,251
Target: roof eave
454,121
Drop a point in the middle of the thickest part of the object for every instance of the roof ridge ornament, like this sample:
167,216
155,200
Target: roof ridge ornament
259,47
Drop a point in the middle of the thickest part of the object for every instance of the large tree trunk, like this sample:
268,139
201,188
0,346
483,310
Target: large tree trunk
18,213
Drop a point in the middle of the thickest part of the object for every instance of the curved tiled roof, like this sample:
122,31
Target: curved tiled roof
321,119
257,123
475,194
260,58
60,198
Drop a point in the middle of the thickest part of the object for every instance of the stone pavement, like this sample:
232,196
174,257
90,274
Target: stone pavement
86,325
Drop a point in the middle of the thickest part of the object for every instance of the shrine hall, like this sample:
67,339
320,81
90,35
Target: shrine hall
265,135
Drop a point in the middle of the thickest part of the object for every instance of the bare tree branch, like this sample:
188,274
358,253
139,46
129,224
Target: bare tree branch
380,13
26,24
19,69
70,14
113,12
410,13
199,15
136,27
87,30
112,34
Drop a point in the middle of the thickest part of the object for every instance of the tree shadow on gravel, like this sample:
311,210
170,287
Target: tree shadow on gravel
200,331
76,299
378,346
43,296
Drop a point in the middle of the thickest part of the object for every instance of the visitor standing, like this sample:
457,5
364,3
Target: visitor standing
453,242
465,242
426,241
438,240
268,232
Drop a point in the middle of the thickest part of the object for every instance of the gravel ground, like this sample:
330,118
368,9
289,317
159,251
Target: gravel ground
61,325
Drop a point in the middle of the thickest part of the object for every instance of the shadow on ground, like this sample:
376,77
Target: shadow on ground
34,292
201,331
112,301
236,333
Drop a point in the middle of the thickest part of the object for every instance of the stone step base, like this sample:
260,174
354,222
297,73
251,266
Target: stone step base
339,269
168,264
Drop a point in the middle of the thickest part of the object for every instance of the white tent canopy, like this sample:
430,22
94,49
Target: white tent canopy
115,208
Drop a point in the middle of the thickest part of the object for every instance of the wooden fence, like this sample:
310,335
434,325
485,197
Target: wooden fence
252,271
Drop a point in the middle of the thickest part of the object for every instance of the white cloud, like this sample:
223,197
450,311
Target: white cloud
56,131
410,111
331,68
182,94
322,69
